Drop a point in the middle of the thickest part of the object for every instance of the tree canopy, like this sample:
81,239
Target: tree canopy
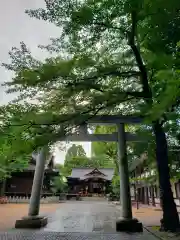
108,59
76,158
98,74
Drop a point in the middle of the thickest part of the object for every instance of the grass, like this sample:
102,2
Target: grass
156,228
163,235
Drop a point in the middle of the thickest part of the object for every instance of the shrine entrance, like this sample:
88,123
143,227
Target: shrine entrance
90,181
126,223
96,182
96,186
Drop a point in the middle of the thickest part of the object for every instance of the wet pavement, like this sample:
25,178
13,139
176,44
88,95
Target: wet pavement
79,220
84,217
74,236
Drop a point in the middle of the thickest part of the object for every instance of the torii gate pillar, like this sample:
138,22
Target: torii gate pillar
126,223
33,220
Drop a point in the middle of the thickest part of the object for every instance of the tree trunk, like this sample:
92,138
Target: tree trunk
170,221
3,188
142,195
152,196
170,216
147,195
135,192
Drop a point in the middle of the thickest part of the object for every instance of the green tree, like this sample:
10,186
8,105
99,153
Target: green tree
112,58
58,166
75,157
109,149
15,153
116,185
75,151
106,150
59,184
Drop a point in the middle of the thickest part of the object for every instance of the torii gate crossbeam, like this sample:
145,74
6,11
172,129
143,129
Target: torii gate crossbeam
101,137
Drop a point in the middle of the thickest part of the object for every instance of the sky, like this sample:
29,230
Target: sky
15,27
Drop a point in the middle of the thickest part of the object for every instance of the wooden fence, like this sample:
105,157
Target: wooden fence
26,199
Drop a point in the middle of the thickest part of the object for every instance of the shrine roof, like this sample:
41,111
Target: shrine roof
50,165
47,169
82,173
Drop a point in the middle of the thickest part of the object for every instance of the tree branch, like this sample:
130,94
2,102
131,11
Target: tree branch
172,109
85,80
71,116
130,93
112,73
141,66
109,26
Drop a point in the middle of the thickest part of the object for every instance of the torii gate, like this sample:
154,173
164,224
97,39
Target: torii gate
126,223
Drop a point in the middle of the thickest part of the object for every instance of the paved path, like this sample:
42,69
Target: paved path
79,220
84,217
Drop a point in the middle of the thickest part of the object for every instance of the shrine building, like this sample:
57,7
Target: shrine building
20,183
90,181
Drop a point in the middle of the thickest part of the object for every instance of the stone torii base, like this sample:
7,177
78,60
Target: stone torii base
129,225
31,222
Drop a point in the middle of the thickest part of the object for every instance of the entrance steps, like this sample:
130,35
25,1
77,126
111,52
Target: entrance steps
93,198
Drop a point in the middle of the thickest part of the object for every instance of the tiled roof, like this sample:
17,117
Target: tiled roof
32,168
81,172
32,164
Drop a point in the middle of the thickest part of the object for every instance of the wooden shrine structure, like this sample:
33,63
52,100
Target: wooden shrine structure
20,183
90,181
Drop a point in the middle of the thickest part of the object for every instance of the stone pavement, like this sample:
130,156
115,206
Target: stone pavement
74,236
79,220
83,217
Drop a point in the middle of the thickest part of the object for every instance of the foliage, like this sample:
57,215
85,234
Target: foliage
174,163
116,185
101,61
76,158
134,149
59,184
109,59
149,146
14,152
74,151
106,150
94,69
